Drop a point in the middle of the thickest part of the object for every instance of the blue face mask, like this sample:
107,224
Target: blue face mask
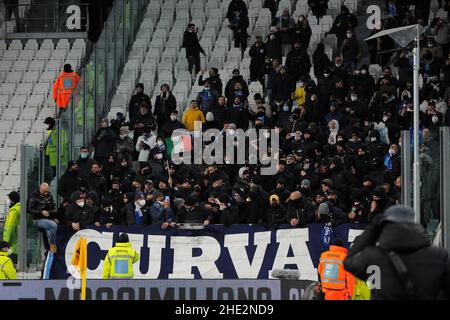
84,155
285,108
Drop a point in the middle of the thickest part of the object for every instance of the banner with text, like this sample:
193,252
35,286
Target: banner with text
216,252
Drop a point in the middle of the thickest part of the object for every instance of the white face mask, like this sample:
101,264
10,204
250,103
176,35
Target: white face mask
9,252
122,136
385,118
349,35
301,84
141,203
173,118
435,119
353,98
363,71
392,152
313,98
159,143
326,75
80,204
231,132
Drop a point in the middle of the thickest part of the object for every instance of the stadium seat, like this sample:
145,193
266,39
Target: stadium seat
6,125
11,113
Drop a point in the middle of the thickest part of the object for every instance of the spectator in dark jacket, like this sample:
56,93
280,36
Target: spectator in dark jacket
143,120
300,210
170,126
350,51
136,100
84,162
297,61
97,181
43,209
428,267
160,211
219,111
277,213
109,215
165,103
193,49
230,87
238,114
124,145
285,85
236,5
320,61
191,212
258,54
207,98
273,45
328,213
78,213
69,181
103,141
214,80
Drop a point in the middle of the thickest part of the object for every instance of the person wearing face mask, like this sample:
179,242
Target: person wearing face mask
124,146
170,126
140,215
160,211
285,84
207,98
276,214
273,46
299,95
158,156
78,214
7,270
84,162
165,103
339,71
350,51
136,100
109,215
69,181
321,62
238,113
10,229
285,112
433,48
103,141
144,144
297,61
231,84
258,54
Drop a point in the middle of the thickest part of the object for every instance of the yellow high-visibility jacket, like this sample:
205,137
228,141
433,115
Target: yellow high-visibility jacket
7,270
119,262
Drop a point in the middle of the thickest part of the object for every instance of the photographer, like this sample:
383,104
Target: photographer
411,268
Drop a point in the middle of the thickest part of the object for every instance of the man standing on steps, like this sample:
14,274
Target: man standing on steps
64,86
193,49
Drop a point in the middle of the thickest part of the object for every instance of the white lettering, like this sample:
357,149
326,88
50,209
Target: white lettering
74,20
236,244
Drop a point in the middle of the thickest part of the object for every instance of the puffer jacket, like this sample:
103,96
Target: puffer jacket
428,266
38,203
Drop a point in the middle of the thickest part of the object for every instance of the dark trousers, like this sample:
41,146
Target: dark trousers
12,7
240,41
194,61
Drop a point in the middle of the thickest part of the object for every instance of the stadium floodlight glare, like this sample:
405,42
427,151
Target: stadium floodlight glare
403,36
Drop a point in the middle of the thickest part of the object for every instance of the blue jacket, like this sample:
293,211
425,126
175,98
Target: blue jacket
159,214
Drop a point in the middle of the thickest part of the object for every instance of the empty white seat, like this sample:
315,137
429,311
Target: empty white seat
34,139
54,65
14,169
79,43
25,88
42,88
29,113
59,54
48,44
4,167
31,77
11,113
27,55
21,126
3,44
32,44
43,54
16,44
6,125
8,88
5,65
20,65
39,126
45,112
18,101
4,100
63,44
14,77
37,65
11,182
48,76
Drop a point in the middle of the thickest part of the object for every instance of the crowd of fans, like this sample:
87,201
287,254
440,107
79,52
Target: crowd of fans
339,156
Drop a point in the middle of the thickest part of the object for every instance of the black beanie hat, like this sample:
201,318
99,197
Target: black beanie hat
68,68
14,196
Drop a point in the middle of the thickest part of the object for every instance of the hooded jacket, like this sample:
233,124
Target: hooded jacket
428,266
